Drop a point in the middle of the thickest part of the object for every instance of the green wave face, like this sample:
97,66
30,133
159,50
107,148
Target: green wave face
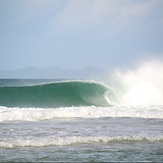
59,94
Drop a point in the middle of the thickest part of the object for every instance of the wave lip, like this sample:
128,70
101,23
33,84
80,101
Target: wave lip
70,140
57,94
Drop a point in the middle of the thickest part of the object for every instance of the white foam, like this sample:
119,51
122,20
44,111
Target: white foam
63,141
36,114
140,86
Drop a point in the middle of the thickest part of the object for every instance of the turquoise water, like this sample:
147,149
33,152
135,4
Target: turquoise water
56,94
83,131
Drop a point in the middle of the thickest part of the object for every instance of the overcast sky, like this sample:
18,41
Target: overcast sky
75,34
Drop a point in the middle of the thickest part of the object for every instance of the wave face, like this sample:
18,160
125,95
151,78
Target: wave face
57,94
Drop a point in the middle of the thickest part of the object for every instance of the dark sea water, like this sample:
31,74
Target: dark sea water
75,120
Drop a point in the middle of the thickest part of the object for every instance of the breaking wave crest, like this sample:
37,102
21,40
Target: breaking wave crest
38,114
64,141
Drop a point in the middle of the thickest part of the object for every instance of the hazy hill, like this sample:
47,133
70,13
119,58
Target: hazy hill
53,73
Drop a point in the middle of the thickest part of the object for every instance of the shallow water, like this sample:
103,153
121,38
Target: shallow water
99,139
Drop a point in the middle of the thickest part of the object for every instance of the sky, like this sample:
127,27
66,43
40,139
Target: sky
74,34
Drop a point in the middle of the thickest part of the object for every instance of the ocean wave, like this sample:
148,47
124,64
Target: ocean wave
71,140
56,94
38,114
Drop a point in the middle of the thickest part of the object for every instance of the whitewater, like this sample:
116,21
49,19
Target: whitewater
118,119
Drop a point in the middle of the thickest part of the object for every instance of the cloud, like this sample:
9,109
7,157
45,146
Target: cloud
134,10
84,13
81,13
74,15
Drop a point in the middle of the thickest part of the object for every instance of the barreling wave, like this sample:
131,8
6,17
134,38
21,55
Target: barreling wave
64,141
57,94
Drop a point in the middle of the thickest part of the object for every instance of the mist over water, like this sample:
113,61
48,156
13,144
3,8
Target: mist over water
140,86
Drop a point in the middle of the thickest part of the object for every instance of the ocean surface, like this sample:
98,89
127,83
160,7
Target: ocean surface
78,121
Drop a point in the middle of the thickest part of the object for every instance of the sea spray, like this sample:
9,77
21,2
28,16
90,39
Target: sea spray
140,86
